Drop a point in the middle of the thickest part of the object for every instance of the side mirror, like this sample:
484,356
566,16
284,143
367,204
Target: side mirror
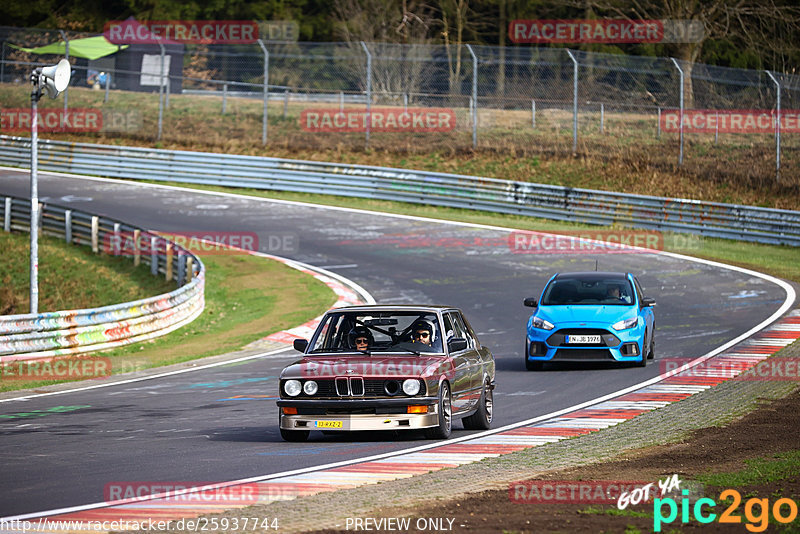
648,301
300,345
531,302
457,344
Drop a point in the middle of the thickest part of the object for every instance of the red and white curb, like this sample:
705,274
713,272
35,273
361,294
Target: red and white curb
587,419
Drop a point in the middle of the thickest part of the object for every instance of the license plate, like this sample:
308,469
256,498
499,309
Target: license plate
583,340
328,424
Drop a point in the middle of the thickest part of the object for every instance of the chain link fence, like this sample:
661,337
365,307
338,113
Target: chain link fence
712,121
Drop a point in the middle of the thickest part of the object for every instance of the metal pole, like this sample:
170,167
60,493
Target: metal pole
658,126
66,91
266,92
108,83
405,102
574,103
680,71
533,114
602,117
369,92
777,129
285,102
341,101
34,270
224,96
716,127
161,94
474,97
3,63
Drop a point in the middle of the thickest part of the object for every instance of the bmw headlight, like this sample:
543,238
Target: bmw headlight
542,324
625,324
310,387
292,388
411,386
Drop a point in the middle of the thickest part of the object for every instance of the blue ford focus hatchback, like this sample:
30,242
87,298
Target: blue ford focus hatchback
590,316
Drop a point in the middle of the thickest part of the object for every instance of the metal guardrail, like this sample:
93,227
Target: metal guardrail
58,333
730,221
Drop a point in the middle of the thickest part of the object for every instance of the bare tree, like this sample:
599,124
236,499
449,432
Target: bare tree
754,23
384,25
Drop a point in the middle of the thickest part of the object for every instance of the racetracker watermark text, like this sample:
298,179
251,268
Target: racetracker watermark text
181,31
605,31
378,120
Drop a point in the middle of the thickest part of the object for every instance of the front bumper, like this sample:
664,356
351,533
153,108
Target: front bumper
356,415
627,346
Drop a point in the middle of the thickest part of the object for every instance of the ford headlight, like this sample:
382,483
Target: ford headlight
542,324
411,386
625,324
292,388
310,387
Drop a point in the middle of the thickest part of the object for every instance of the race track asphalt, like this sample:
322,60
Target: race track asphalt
201,426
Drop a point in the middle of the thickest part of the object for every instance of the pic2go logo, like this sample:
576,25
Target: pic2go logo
756,521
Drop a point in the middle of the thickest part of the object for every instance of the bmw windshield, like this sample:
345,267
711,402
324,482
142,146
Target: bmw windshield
588,291
378,332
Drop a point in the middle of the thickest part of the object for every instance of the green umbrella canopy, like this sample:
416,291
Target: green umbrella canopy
89,48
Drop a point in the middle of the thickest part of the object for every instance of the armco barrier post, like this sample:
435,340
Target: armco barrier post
7,215
266,93
153,255
574,102
168,265
68,226
95,228
181,267
137,254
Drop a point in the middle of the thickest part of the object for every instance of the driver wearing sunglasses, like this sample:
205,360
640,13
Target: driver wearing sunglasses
422,333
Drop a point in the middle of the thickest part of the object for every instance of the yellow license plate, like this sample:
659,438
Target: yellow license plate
328,424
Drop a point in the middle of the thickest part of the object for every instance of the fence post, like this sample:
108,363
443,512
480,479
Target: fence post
474,97
224,96
117,250
66,90
161,94
680,71
716,127
285,102
3,63
602,117
533,114
341,101
574,102
405,102
181,274
266,92
777,129
658,125
369,91
108,83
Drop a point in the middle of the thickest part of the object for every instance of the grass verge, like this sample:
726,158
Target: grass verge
246,298
70,277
